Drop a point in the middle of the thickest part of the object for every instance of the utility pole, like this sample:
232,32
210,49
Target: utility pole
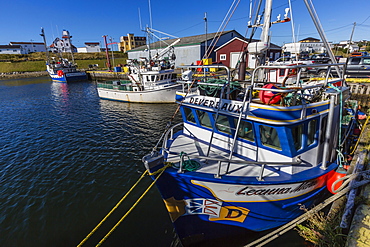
111,42
106,52
350,39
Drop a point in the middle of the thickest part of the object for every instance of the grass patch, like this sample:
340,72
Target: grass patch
32,66
36,61
323,230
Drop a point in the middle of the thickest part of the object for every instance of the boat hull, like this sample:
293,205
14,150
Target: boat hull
162,95
204,209
69,77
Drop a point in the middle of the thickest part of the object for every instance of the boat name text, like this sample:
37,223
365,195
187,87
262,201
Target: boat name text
216,104
276,191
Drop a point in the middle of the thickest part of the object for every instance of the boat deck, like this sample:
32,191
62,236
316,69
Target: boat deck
191,147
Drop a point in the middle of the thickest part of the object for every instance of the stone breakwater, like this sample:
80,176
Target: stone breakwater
15,75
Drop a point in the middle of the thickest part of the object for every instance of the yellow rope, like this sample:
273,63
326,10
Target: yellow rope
129,211
359,136
115,207
167,164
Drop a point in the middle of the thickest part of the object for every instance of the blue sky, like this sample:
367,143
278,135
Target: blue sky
88,21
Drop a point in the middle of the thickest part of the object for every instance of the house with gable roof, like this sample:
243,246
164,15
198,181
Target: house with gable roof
229,53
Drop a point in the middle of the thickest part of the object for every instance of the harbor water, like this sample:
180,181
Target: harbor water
68,157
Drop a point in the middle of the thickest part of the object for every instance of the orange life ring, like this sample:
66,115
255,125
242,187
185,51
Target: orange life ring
60,73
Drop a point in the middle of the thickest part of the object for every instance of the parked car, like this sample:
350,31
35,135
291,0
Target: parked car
356,67
288,61
320,58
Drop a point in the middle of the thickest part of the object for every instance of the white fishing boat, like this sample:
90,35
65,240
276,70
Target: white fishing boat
247,159
61,69
151,80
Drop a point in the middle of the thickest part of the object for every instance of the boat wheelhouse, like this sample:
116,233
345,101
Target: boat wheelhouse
149,83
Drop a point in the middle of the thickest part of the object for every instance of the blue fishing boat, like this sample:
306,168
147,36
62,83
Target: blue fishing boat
249,155
61,69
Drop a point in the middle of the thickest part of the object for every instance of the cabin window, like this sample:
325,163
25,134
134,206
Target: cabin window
297,133
281,72
222,124
245,130
223,57
161,77
189,115
323,129
153,77
269,137
311,132
204,119
147,78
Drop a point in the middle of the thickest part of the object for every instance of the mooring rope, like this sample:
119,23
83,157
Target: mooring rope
129,211
113,209
289,226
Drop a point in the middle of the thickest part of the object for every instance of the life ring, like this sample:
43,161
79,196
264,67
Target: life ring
60,73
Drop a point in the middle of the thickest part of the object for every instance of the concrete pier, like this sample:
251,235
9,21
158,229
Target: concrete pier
359,231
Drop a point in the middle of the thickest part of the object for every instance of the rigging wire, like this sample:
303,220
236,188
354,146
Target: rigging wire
222,27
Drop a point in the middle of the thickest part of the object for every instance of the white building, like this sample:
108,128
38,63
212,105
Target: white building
29,47
64,44
310,45
10,49
89,47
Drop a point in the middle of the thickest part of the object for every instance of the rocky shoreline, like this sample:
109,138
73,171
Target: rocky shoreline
16,75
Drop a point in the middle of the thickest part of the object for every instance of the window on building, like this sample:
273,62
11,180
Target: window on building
223,57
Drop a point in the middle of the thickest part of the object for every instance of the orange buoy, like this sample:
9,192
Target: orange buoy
334,176
60,73
269,97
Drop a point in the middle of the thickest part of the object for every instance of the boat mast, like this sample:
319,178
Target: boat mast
46,48
265,32
318,26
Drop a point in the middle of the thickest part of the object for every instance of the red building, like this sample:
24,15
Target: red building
229,53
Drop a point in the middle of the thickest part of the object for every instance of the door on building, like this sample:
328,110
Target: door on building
234,58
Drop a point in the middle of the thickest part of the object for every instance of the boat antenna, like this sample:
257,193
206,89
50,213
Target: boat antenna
141,27
46,48
150,15
206,29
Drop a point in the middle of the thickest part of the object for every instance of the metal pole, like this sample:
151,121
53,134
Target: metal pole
321,33
46,48
328,133
111,41
106,52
